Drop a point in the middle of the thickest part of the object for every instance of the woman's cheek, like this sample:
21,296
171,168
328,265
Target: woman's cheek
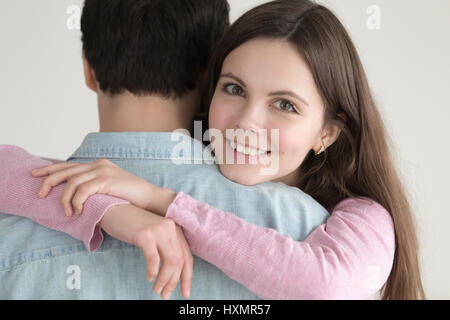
215,116
293,144
220,115
286,136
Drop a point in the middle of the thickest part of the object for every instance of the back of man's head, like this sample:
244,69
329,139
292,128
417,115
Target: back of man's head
151,47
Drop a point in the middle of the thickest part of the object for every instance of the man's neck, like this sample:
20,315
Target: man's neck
129,113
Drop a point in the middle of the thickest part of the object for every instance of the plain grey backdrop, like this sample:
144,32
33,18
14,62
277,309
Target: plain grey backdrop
404,45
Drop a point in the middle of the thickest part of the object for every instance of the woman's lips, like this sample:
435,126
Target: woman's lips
248,158
247,149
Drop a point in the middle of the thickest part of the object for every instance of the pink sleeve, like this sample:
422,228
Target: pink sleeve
18,196
349,257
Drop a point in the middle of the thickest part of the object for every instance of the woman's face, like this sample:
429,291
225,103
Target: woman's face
265,84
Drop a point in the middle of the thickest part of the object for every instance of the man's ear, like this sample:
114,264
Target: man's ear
89,75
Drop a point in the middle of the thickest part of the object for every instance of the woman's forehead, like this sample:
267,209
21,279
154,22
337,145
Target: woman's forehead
271,65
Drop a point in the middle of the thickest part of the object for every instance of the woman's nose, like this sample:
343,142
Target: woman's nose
251,118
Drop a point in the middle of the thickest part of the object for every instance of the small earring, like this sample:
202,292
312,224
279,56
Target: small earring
320,151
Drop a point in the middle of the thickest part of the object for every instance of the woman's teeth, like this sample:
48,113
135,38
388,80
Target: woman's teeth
246,150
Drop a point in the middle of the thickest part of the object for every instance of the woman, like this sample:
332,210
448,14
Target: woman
291,66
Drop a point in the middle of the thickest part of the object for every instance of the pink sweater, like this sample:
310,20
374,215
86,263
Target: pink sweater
18,196
349,257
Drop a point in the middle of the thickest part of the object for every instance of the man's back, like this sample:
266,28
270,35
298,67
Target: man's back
117,269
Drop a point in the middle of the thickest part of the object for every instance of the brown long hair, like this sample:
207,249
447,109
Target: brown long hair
359,163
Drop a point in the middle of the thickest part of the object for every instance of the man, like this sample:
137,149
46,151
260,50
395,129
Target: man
144,59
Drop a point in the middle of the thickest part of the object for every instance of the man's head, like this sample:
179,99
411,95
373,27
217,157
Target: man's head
151,47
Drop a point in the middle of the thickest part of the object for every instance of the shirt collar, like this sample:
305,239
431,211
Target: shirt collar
142,145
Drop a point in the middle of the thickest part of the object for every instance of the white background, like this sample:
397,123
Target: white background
46,109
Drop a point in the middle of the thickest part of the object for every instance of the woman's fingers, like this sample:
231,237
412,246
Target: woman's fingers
171,284
159,242
87,189
187,272
71,188
43,171
60,176
152,259
172,261
177,261
87,185
168,268
186,277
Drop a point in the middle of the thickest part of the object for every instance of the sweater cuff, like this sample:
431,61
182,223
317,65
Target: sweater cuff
95,208
183,211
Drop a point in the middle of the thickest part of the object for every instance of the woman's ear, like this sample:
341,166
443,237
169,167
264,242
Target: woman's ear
329,135
89,75
332,133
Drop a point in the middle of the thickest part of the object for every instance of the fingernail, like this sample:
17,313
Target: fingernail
77,211
40,193
158,290
67,212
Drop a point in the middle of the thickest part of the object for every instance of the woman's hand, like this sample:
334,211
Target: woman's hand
160,240
101,176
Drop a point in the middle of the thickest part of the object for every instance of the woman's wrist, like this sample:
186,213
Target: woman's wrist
160,200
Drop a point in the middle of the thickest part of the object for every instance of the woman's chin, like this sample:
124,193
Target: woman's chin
238,174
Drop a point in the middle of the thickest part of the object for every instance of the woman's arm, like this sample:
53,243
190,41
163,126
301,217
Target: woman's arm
149,232
18,196
349,257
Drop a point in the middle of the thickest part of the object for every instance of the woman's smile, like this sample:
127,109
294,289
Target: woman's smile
244,154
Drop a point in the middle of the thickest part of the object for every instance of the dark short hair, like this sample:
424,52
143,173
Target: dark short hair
151,46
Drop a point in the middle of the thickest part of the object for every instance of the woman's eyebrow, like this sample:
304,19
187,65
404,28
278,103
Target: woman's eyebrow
289,93
232,76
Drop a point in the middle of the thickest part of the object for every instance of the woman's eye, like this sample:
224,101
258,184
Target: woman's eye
234,89
285,105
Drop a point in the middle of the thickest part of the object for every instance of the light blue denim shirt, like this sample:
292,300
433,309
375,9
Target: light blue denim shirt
39,263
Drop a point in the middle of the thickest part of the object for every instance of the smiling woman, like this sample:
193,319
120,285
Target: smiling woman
301,48
266,85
